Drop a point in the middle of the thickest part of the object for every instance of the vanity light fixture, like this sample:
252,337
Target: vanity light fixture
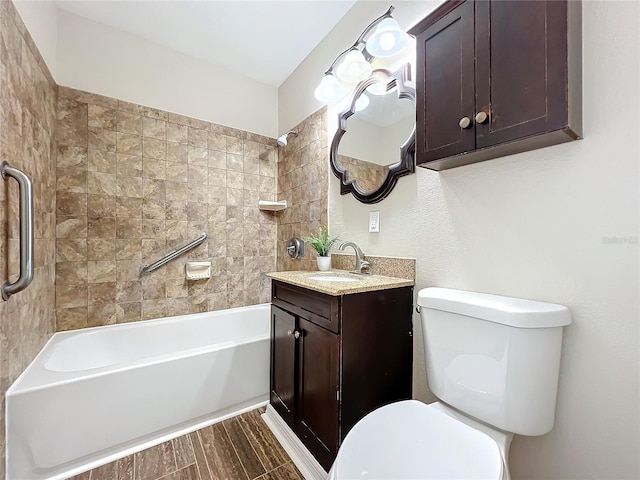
354,64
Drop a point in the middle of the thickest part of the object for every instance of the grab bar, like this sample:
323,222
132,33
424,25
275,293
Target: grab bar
26,231
175,254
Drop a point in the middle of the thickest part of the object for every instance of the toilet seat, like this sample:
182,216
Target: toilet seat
410,440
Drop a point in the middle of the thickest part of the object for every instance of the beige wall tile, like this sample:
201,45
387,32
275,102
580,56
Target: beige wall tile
71,249
102,227
71,273
101,293
151,182
102,161
154,128
71,227
128,312
152,148
101,117
99,183
101,139
99,206
101,271
177,133
128,123
101,248
101,314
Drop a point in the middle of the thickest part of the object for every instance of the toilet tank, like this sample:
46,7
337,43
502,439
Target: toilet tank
494,358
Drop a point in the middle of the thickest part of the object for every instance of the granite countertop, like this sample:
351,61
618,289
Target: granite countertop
362,283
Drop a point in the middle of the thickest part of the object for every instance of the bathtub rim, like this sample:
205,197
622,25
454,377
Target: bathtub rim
57,378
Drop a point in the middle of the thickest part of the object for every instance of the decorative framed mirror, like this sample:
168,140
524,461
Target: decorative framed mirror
375,142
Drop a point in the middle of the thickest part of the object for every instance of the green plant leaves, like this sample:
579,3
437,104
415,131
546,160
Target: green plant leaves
321,242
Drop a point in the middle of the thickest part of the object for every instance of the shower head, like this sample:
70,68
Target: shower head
282,141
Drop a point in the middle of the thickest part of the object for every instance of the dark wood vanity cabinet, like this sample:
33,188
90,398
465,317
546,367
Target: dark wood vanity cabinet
496,77
336,358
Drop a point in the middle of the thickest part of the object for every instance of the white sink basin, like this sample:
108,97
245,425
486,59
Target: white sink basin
332,278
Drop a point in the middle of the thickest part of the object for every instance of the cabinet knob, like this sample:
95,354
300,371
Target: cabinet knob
289,332
296,334
481,117
465,122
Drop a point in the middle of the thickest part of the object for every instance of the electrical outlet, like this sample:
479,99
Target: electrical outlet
374,222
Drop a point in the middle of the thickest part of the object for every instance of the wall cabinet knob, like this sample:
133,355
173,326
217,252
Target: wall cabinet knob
465,122
481,117
295,333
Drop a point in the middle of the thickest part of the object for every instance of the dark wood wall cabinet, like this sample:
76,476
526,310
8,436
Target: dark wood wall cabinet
336,358
496,78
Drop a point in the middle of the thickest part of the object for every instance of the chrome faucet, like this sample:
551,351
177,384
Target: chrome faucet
362,265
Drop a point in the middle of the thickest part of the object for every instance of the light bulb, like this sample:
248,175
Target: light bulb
353,68
387,40
330,89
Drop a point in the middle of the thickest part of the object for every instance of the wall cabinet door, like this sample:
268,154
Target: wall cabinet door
496,78
521,81
318,390
446,92
283,363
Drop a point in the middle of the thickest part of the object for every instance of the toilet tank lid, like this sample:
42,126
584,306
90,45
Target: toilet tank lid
515,312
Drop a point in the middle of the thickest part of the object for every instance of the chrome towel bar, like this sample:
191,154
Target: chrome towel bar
175,254
26,231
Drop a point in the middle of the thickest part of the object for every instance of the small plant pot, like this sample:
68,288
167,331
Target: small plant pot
324,263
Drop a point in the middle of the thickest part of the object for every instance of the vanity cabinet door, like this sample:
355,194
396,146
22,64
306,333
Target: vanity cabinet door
318,394
283,361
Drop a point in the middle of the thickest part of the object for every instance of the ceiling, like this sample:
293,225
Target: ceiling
264,40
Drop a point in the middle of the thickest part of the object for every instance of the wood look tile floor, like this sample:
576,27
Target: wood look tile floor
240,448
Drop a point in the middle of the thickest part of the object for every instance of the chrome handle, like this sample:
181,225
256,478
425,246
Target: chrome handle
481,117
465,122
173,255
26,231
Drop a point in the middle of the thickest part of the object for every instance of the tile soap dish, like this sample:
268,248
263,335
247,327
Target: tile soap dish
272,206
197,270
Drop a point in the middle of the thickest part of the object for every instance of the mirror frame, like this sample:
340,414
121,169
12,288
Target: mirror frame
406,165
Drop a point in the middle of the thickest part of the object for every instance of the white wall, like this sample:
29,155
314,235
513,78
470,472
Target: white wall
103,60
534,225
41,20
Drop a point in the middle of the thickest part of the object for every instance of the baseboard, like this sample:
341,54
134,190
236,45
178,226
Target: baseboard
306,463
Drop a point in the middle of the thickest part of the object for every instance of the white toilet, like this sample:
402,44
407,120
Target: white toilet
493,362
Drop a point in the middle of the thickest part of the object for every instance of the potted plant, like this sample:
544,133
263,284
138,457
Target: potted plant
322,244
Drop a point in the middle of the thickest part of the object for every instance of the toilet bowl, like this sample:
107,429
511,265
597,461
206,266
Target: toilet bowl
411,440
485,354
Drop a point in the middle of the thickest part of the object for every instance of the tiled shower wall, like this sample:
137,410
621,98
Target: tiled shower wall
303,172
135,183
27,122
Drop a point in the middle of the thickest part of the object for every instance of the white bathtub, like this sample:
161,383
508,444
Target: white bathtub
94,395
